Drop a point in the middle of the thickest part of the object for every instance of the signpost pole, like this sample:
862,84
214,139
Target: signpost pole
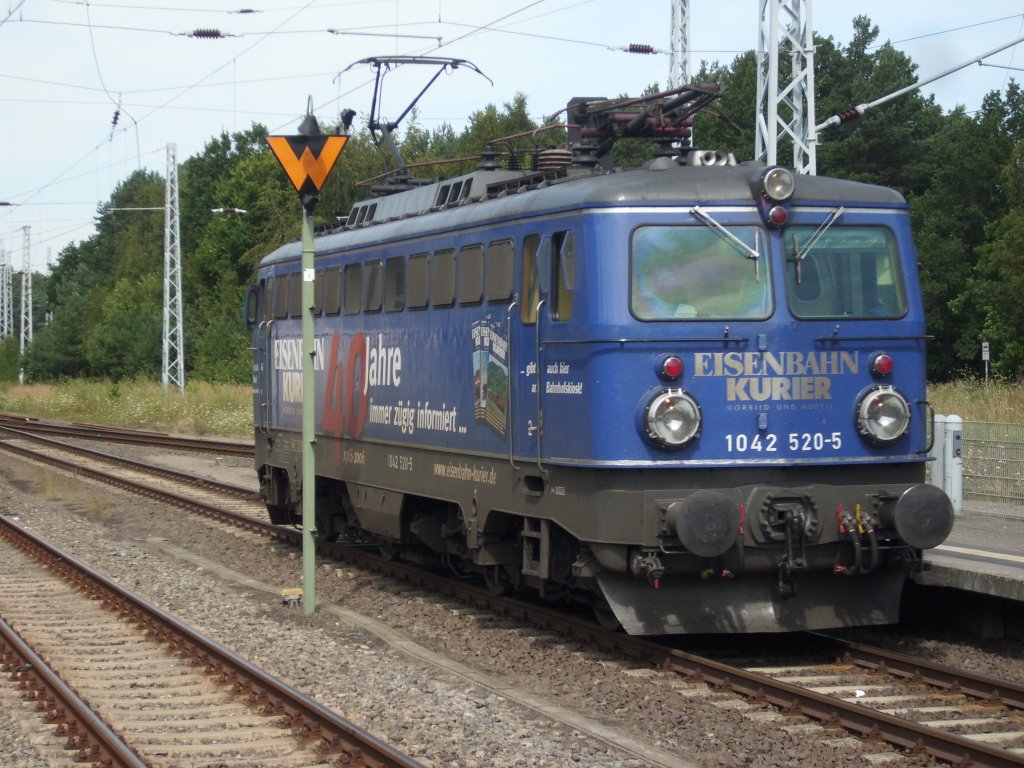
308,422
308,159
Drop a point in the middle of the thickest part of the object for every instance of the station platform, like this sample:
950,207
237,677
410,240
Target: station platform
977,574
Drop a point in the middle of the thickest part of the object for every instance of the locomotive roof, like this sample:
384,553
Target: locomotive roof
500,195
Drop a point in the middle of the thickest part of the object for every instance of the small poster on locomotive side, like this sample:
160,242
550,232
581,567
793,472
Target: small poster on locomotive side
490,375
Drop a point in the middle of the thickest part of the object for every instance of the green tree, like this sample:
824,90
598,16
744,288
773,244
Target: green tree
127,341
10,359
887,145
950,222
728,124
216,338
1000,276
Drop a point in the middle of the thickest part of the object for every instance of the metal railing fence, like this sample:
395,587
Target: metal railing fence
993,465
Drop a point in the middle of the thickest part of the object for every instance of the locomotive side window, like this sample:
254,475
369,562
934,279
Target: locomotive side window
281,296
698,273
295,294
563,289
373,286
252,298
353,288
266,307
418,281
442,278
332,291
531,280
318,292
471,274
843,272
394,284
500,265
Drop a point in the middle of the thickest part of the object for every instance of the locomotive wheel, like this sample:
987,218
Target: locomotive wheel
326,531
496,582
281,514
605,616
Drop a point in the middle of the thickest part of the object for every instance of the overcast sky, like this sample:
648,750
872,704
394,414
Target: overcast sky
66,66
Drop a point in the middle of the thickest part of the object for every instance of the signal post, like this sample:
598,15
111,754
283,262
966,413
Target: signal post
307,159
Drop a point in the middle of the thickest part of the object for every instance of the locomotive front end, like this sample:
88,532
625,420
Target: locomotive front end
779,410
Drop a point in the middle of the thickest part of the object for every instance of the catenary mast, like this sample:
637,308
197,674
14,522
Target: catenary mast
26,300
785,106
679,53
6,309
173,344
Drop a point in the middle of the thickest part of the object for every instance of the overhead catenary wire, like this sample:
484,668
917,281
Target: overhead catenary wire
155,109
520,15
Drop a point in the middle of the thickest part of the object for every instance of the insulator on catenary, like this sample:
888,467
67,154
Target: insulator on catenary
640,48
849,114
117,116
211,34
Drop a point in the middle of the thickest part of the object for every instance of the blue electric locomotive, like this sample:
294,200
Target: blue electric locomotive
690,394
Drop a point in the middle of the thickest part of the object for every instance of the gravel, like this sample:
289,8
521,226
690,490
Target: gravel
435,715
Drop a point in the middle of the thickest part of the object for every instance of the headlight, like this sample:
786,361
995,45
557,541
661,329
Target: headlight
672,418
778,184
883,415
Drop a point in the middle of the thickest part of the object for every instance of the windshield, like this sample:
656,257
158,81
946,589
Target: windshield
694,272
847,272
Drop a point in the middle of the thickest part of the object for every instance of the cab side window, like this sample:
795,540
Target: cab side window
530,283
564,287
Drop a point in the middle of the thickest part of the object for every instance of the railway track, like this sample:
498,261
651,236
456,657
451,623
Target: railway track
950,714
127,436
159,693
231,503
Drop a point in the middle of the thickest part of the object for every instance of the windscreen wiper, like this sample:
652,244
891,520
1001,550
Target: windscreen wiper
746,250
798,255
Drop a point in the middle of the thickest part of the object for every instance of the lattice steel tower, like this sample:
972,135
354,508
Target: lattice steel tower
6,306
26,301
786,108
174,348
679,55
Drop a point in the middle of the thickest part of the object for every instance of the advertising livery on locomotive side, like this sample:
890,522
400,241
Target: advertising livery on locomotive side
690,394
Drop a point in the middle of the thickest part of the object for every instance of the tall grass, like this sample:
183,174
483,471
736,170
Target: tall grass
997,401
202,409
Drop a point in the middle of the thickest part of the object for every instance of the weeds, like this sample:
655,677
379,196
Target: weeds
996,401
202,409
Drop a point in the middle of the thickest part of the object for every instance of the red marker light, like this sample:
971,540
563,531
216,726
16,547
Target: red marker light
671,368
881,364
778,216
